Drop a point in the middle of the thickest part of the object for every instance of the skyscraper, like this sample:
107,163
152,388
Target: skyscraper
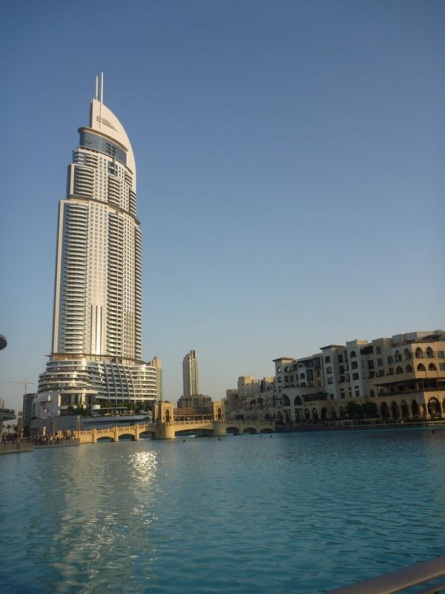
96,345
190,375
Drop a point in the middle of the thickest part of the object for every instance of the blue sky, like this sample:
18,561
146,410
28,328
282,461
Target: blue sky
290,170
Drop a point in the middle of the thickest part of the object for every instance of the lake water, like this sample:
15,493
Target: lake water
294,513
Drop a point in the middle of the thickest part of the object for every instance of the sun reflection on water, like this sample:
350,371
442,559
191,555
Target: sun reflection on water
144,466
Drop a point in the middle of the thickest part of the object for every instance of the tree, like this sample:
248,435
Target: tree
370,410
354,410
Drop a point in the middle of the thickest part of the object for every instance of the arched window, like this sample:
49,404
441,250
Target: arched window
406,354
286,401
352,355
384,410
419,353
408,369
399,369
432,367
421,367
434,406
395,410
430,353
297,401
404,409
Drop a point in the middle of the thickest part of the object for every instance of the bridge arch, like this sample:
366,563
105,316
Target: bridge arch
105,439
147,434
125,436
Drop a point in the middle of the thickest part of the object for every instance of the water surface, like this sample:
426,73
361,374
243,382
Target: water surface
296,513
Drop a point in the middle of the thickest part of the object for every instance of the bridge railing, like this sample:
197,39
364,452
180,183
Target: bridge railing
429,575
120,428
186,423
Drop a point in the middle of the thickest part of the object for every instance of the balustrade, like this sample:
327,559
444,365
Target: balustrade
429,574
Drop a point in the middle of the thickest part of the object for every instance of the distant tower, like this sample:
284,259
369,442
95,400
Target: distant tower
28,413
190,375
97,348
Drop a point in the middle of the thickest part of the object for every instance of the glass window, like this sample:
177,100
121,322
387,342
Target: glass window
97,143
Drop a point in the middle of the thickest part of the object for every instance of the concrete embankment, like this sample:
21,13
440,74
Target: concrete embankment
353,425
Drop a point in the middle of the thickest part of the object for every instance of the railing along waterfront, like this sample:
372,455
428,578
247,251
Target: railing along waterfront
429,576
15,447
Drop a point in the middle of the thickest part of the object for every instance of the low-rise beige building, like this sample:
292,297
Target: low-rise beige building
252,400
402,376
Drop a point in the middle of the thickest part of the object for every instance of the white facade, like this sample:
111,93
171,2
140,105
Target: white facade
97,346
97,308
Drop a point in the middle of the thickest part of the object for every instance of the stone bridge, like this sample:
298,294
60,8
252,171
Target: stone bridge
172,429
168,424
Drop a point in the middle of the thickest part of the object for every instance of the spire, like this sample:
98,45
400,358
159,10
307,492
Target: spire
100,87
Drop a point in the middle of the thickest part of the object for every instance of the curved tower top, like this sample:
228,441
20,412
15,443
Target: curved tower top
106,124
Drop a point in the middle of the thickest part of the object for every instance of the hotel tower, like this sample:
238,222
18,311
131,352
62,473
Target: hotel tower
96,345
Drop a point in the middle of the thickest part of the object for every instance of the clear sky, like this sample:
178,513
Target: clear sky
290,170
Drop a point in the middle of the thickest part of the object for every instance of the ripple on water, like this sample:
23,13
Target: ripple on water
296,513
